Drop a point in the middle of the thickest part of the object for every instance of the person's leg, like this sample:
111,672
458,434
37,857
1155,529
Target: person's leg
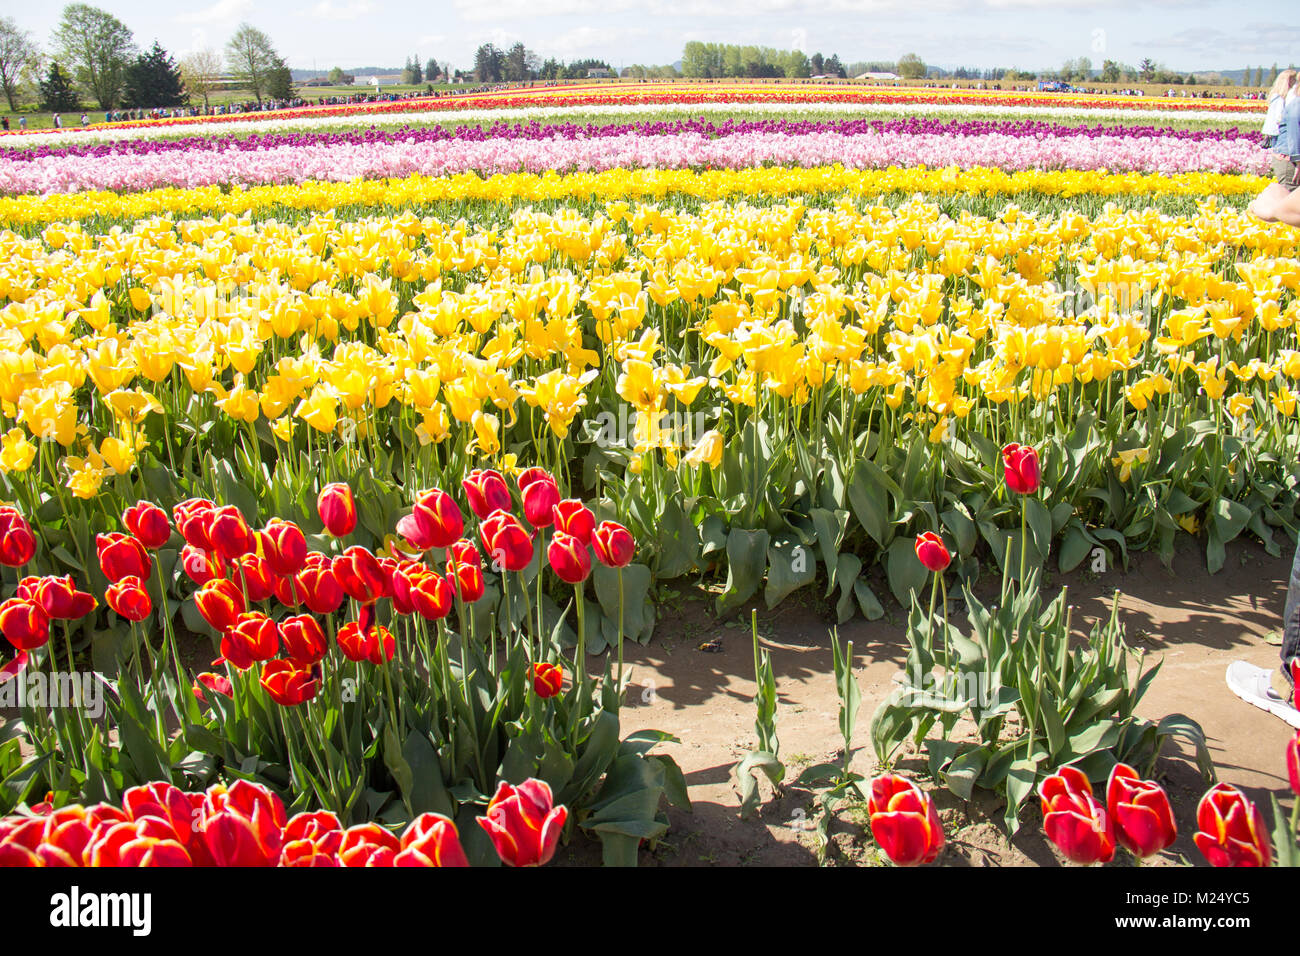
1291,619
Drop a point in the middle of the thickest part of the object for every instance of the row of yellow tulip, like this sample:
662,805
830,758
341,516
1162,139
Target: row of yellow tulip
618,184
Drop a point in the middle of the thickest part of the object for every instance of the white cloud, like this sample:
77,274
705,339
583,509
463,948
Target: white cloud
328,10
220,12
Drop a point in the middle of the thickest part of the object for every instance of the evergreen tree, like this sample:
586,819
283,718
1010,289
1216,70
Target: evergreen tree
430,70
58,95
279,81
154,80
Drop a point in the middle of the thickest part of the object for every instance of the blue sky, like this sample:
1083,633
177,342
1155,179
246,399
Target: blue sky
1184,35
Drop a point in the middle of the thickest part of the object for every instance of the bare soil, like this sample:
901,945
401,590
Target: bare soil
695,680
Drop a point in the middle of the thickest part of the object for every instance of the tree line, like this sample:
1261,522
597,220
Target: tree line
93,56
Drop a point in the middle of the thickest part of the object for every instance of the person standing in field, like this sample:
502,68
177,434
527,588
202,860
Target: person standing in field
1277,97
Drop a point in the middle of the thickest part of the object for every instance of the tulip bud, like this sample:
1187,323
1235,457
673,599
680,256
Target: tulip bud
573,517
931,552
1143,820
256,577
192,517
569,558
24,624
252,637
523,823
548,679
287,684
1230,829
304,640
613,544
487,492
220,601
17,542
904,822
129,598
431,840
435,523
337,509
374,643
284,546
212,682
60,598
1074,820
319,585
148,523
540,498
361,576
506,541
229,533
368,844
201,566
122,556
1020,468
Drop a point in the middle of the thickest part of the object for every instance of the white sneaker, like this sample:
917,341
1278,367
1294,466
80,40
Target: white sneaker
1254,685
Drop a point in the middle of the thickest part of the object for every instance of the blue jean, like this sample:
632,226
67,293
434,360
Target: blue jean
1291,618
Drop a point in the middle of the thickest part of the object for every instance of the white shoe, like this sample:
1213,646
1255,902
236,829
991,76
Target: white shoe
1253,685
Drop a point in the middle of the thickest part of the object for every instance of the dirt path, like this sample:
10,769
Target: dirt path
1198,622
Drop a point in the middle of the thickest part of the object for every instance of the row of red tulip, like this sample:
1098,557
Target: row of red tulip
236,566
246,825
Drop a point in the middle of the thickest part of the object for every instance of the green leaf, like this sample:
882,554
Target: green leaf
791,565
904,570
746,560
870,500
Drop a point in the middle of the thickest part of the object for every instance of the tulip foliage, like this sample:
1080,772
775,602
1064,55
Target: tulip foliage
377,686
1071,704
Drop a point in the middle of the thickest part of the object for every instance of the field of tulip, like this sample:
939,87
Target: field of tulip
252,387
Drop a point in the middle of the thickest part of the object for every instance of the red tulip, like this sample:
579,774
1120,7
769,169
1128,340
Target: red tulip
1074,820
361,576
904,822
569,558
201,566
213,682
540,495
255,576
432,596
129,598
15,667
122,556
465,570
24,624
506,541
374,644
58,597
319,585
304,640
337,509
1293,762
487,492
17,542
163,801
148,523
220,601
250,638
368,844
287,684
435,523
614,544
431,840
523,824
284,546
573,517
1230,829
229,533
66,838
931,552
1140,812
548,679
20,842
312,839
192,518
138,843
1020,467
242,825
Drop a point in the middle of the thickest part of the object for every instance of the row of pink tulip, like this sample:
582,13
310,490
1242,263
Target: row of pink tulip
401,157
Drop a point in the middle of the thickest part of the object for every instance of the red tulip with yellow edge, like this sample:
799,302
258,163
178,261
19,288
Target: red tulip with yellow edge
904,821
148,523
1074,820
431,840
337,509
129,598
1140,812
1230,829
523,823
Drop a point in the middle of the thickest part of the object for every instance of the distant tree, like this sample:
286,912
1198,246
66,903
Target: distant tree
154,80
488,63
200,72
430,70
797,65
1190,80
817,63
99,47
58,94
1147,69
279,80
515,68
1259,76
1110,71
412,74
831,66
17,54
1273,75
910,66
252,58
